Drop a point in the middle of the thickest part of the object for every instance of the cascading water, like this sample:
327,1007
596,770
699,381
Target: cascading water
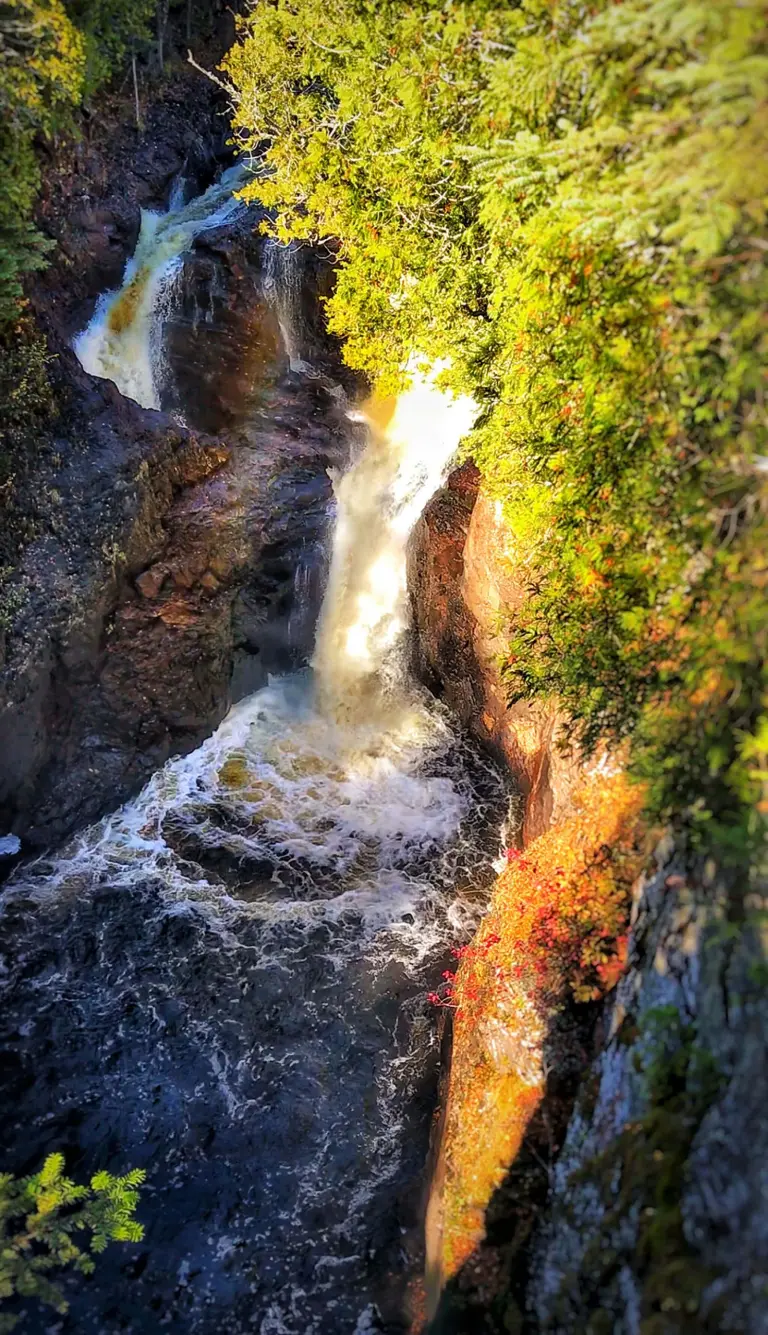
225,980
121,341
411,441
283,285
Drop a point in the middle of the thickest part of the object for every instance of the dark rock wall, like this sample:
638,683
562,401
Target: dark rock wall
67,743
658,1218
166,572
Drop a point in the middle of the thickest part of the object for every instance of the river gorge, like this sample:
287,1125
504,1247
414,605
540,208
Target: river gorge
383,773
225,980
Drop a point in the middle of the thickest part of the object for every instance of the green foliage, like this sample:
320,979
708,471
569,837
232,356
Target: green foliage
110,28
52,54
40,1217
569,202
42,61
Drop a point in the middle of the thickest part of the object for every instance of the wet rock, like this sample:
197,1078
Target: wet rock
150,582
168,570
462,581
137,613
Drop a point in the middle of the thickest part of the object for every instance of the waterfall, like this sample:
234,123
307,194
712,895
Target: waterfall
283,287
227,977
411,442
318,765
122,341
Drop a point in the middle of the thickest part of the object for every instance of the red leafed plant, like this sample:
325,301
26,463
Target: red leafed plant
559,911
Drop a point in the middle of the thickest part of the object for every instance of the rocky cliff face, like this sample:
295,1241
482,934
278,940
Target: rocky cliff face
462,581
166,588
638,1204
658,1213
162,570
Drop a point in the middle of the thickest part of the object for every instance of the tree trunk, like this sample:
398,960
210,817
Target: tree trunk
162,20
136,91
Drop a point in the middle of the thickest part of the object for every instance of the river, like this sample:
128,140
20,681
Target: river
224,982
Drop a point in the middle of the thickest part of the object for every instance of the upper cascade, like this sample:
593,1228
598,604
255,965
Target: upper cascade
121,342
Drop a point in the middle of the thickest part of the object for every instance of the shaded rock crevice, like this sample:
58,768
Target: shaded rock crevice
463,582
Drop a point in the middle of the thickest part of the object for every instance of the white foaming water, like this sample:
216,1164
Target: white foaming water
322,772
122,341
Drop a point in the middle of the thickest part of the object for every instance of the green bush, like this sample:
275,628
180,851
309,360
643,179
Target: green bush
569,202
42,63
52,55
40,1217
110,29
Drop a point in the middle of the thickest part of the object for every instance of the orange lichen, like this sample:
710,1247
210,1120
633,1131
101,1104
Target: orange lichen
556,928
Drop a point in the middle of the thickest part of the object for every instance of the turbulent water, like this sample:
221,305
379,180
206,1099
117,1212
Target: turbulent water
224,982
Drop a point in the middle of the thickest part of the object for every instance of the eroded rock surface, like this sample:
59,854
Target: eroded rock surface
462,583
163,569
136,633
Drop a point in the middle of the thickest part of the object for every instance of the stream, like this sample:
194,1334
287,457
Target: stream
224,982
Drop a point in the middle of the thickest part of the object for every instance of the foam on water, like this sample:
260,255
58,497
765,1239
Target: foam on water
345,803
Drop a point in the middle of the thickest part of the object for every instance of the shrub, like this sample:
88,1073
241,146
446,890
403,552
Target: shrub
110,29
559,915
39,1218
42,64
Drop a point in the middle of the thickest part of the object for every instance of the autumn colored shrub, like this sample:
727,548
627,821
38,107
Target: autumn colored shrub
555,933
559,915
